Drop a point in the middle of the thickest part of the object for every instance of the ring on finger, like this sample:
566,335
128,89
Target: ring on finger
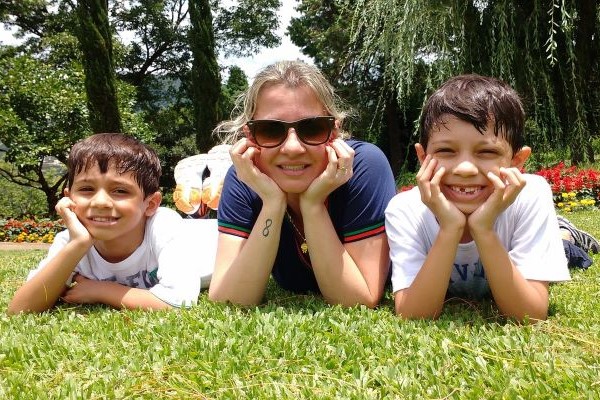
343,170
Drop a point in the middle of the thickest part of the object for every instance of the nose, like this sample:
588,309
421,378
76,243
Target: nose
292,142
101,199
465,168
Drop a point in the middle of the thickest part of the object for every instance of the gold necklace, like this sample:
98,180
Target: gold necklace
303,245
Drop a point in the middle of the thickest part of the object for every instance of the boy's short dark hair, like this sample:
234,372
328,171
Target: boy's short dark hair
476,99
124,152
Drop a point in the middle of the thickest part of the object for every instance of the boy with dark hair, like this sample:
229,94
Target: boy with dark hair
475,225
119,247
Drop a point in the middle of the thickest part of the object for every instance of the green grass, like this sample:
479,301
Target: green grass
298,347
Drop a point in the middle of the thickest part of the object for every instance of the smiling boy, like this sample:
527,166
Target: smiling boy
475,225
119,247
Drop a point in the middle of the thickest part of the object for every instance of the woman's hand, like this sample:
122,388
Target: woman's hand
243,153
338,171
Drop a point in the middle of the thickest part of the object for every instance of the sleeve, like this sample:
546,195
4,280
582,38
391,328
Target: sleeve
407,237
182,268
366,195
536,246
238,208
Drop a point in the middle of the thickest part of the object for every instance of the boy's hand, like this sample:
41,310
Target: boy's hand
82,291
77,232
507,187
337,172
428,180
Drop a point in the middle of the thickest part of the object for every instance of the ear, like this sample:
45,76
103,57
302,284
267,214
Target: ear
336,129
520,157
246,132
421,154
153,202
66,192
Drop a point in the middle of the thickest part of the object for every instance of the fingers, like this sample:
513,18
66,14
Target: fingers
341,159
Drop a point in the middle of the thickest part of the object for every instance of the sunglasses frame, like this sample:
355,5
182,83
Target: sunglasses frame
293,124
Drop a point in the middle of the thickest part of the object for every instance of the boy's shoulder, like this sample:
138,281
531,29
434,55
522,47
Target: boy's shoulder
407,199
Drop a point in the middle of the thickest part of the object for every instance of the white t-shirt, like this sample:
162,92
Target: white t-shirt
175,259
528,229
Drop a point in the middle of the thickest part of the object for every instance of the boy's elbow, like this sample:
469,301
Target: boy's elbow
406,312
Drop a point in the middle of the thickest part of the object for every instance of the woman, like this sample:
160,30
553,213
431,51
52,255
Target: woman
300,202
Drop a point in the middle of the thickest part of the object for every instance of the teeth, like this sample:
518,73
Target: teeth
293,167
103,219
467,190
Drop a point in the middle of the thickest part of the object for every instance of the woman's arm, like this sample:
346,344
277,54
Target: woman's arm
243,266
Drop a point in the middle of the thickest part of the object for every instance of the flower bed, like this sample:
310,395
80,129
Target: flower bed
29,230
573,188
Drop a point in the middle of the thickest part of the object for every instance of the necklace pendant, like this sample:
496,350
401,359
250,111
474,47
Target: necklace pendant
304,247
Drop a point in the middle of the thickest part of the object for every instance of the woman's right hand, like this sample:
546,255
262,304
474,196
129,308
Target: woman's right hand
66,209
243,153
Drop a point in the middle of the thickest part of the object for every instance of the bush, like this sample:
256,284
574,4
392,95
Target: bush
18,201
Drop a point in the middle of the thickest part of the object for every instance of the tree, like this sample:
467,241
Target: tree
236,84
547,49
96,44
42,113
205,82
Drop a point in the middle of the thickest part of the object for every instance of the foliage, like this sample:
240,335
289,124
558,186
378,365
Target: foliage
205,80
17,201
30,230
544,48
573,188
298,347
42,113
95,38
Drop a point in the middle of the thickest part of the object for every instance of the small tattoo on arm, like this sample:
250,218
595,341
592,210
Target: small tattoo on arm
268,224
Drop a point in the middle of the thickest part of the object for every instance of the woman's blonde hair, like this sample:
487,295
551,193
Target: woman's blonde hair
291,74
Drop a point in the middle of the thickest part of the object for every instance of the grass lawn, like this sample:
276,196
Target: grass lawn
298,347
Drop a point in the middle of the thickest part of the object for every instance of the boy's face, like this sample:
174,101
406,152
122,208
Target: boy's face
111,206
468,156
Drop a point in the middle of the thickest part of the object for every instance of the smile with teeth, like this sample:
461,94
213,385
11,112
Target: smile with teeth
466,190
103,219
293,167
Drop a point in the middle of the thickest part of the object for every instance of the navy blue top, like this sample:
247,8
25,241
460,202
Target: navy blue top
356,210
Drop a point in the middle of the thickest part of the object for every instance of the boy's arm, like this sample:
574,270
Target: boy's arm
515,296
42,290
88,291
424,298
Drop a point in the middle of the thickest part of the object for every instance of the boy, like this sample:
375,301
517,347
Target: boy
475,224
118,248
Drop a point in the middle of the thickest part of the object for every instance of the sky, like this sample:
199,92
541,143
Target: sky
250,65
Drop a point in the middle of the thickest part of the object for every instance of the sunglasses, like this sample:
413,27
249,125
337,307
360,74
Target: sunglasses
272,133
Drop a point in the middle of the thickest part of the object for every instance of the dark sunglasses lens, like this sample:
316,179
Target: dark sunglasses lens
314,130
269,133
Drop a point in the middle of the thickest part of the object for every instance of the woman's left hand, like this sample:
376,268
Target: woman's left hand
338,171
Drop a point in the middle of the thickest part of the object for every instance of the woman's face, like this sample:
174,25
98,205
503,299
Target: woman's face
293,165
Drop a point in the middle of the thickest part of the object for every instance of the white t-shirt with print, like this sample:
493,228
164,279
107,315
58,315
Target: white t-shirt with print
528,230
174,260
